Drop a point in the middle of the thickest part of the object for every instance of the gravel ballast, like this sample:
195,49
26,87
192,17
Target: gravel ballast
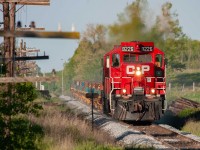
123,134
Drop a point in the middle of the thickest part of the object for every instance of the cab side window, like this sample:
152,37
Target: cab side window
158,60
115,60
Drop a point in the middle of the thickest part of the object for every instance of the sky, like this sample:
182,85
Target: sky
80,13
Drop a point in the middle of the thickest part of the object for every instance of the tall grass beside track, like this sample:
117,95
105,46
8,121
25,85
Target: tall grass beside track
192,127
64,131
187,120
182,86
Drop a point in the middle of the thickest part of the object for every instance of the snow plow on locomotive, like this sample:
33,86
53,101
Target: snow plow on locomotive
134,81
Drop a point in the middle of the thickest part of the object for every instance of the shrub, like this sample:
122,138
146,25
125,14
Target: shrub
189,113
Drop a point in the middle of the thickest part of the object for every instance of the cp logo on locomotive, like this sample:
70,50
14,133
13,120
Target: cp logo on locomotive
132,69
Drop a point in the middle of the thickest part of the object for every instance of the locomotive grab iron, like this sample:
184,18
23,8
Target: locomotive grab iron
134,81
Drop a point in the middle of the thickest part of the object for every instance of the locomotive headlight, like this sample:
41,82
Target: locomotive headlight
124,91
138,71
138,68
153,91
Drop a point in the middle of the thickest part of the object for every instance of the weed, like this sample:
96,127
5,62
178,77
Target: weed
91,145
192,127
65,131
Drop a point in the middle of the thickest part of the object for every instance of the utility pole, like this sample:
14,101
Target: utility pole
9,8
6,16
12,39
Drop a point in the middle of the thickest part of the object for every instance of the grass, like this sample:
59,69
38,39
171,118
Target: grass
177,92
182,86
192,127
64,131
186,77
90,145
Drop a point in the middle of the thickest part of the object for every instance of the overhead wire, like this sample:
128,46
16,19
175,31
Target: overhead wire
19,8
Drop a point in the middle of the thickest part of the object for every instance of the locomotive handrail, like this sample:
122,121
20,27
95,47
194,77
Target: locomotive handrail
165,105
165,102
112,89
110,95
156,77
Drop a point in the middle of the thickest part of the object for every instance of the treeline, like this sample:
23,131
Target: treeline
135,23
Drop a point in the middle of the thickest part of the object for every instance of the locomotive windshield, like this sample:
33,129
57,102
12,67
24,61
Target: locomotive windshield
145,58
129,58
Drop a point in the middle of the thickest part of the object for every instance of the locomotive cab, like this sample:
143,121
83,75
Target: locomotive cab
134,81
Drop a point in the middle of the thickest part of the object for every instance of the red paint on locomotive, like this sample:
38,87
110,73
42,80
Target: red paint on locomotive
134,81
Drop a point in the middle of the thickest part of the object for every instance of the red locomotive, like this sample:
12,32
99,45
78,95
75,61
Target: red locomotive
134,81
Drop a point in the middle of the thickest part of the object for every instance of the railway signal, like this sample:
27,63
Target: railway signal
92,95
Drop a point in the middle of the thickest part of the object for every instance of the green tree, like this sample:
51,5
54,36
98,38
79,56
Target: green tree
167,24
16,100
86,61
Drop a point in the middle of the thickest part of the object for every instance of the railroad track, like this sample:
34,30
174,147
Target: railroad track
171,138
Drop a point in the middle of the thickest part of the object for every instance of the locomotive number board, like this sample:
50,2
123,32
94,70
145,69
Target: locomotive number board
127,49
136,46
146,48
